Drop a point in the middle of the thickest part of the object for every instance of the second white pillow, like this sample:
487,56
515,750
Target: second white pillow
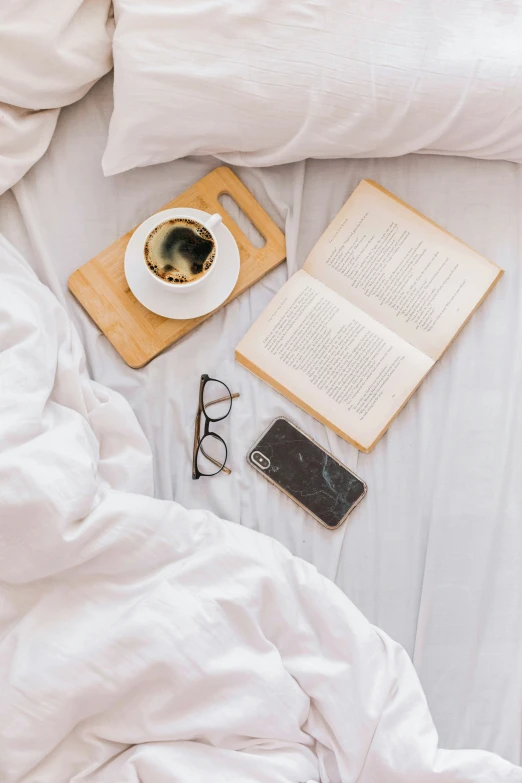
259,82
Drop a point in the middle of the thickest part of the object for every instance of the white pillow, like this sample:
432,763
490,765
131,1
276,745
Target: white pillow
51,53
260,82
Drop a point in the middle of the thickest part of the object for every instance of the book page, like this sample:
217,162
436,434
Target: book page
328,354
401,269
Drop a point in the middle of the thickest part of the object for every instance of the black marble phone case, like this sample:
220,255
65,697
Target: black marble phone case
307,473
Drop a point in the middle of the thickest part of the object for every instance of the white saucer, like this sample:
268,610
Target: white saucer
202,299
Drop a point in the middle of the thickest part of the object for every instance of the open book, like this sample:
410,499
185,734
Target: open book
381,296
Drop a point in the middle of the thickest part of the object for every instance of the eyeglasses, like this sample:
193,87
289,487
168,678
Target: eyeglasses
210,450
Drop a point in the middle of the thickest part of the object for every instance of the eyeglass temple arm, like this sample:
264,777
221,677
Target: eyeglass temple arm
222,399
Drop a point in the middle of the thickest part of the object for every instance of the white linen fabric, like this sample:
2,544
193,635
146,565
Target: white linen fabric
432,556
144,642
260,82
51,53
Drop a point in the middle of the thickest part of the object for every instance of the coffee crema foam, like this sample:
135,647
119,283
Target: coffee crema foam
179,250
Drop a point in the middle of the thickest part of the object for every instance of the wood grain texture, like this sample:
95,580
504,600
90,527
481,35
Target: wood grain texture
139,335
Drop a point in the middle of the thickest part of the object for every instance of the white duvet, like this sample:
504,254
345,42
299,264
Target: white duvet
51,53
143,642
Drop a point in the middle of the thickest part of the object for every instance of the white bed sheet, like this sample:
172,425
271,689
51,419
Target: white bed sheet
434,553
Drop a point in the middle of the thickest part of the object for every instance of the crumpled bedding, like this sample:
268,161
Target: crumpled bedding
143,642
51,53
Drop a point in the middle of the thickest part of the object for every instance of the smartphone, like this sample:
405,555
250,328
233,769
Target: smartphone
307,473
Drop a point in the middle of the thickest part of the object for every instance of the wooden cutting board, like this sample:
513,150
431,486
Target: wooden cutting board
139,335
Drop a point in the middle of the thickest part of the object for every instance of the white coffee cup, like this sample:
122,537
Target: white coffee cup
209,224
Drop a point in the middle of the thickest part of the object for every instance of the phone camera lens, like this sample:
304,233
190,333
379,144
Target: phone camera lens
260,460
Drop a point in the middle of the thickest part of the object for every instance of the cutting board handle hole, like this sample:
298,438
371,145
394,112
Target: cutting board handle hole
241,218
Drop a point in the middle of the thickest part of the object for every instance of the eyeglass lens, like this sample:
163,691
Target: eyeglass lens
211,455
217,400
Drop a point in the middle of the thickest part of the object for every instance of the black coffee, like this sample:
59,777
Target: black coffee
180,250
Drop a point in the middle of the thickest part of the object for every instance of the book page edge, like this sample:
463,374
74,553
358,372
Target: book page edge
255,370
429,220
261,317
464,323
406,401
319,242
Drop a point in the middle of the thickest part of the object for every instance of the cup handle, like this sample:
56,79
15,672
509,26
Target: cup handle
213,221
